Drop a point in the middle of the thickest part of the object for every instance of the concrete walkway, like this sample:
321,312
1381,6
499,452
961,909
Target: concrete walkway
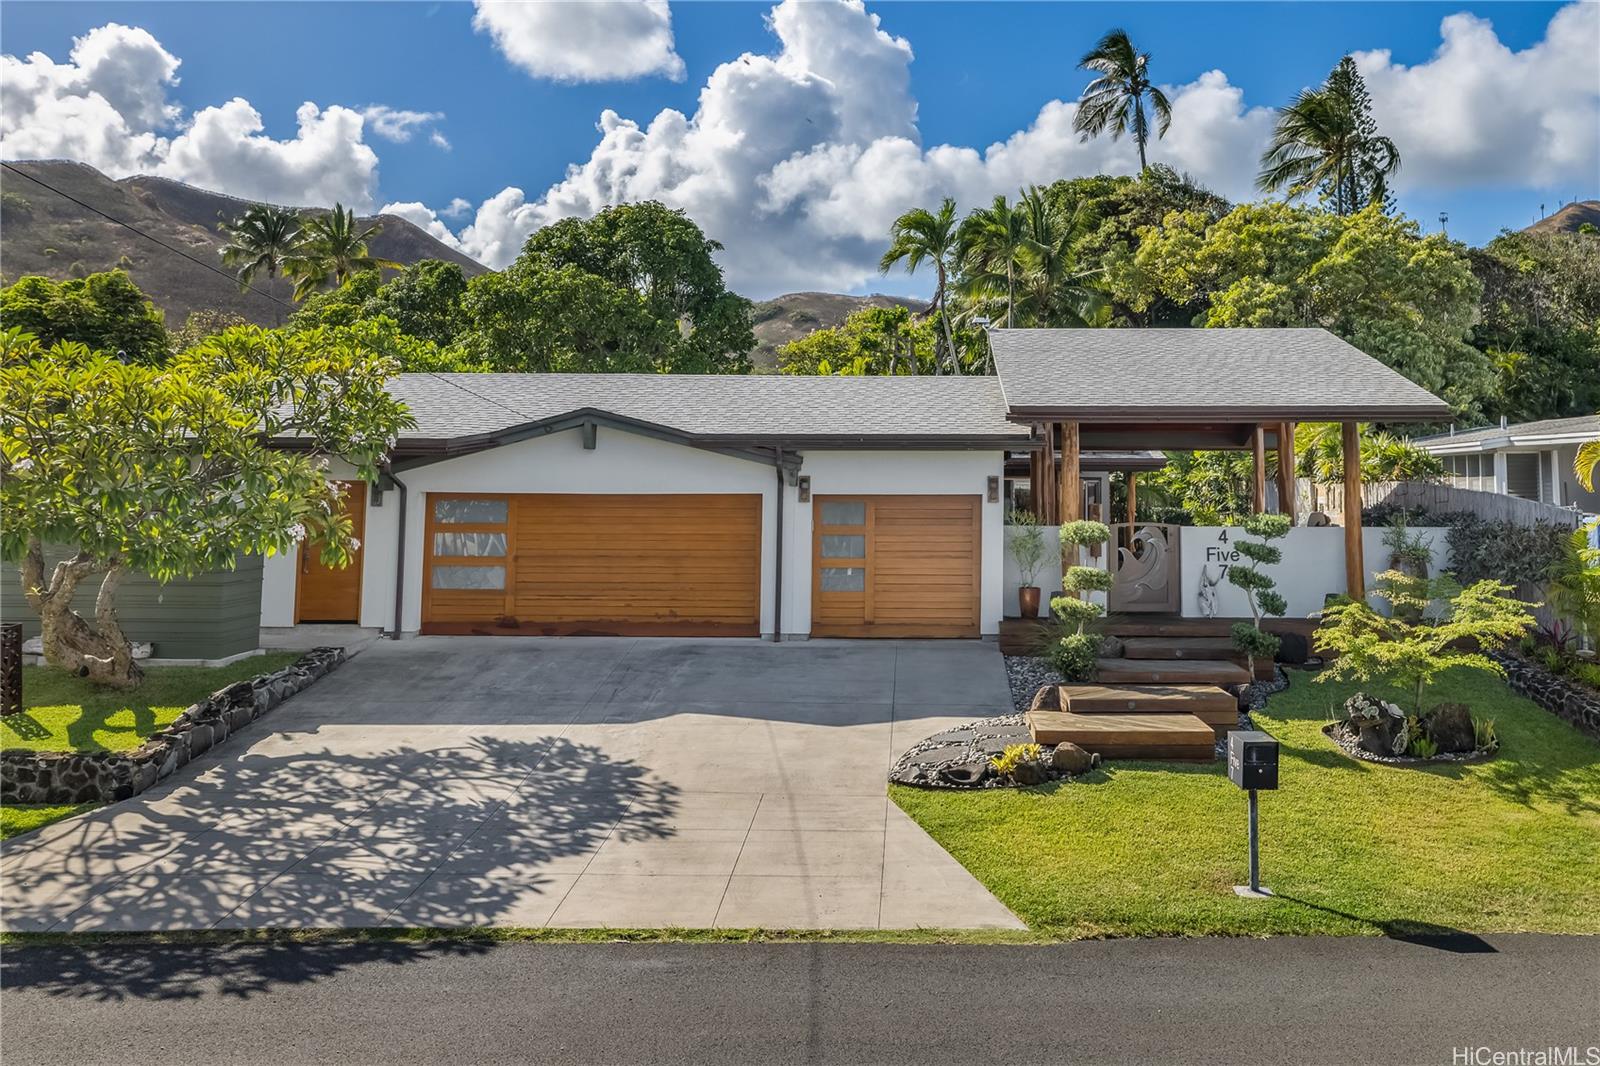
529,782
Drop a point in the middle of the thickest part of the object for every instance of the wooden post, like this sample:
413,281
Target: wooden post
1355,566
1070,497
1286,501
1035,465
1047,478
1258,470
1133,495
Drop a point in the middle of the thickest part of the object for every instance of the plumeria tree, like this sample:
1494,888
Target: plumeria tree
171,471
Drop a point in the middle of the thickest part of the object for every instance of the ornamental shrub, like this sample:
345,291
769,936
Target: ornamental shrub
1073,654
1005,764
1259,589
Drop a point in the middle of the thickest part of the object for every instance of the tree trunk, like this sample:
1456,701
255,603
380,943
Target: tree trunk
101,653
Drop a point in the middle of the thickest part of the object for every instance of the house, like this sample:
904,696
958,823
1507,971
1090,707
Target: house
799,506
1532,460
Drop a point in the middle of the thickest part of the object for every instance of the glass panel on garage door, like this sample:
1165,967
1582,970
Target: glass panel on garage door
896,566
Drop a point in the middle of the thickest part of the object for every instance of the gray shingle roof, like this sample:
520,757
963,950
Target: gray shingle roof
1586,427
763,409
1300,374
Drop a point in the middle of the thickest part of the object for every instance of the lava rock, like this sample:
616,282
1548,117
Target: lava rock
1030,773
1293,648
966,774
1071,759
1449,725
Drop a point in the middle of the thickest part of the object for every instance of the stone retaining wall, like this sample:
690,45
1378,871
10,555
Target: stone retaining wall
104,777
1567,700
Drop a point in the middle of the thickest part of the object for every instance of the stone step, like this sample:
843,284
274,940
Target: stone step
1170,671
1126,736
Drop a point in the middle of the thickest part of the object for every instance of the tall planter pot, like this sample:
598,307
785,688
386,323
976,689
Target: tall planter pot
1028,601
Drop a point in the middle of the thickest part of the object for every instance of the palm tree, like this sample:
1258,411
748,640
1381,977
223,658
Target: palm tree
1115,100
335,247
1053,289
992,242
1327,139
264,238
921,234
1586,464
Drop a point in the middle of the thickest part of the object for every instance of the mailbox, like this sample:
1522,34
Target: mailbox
1252,759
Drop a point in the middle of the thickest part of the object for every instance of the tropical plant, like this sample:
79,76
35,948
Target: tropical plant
1422,747
107,312
1054,291
921,235
1260,590
1573,589
993,241
1115,100
168,471
1384,456
1411,647
263,240
1327,140
1005,764
1484,736
1026,543
1586,463
334,247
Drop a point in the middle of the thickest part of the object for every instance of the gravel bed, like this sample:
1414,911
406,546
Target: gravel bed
1346,738
1028,675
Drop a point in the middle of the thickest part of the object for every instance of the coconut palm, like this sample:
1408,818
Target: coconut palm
262,240
335,247
1587,463
1115,100
1054,291
992,242
1326,139
919,235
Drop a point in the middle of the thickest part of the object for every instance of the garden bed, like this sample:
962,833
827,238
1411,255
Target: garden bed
1346,737
39,769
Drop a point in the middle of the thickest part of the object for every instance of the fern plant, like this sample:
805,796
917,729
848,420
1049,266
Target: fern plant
1260,591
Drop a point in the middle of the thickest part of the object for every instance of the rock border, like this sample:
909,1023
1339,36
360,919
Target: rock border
1344,738
1571,701
70,777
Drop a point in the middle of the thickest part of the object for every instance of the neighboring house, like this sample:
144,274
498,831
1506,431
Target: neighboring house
803,506
1532,460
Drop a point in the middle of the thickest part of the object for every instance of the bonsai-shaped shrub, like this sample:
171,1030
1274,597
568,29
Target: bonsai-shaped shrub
1410,652
1260,591
1025,541
1073,654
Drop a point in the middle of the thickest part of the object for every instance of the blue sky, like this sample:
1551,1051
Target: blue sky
981,74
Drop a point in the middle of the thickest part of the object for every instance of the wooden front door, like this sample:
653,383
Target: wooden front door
896,566
589,563
333,594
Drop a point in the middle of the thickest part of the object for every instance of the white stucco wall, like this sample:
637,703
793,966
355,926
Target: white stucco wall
893,473
1049,578
1312,567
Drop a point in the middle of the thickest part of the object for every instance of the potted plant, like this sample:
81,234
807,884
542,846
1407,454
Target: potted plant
1025,540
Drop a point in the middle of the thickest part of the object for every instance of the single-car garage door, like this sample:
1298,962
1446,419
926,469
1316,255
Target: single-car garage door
896,566
593,564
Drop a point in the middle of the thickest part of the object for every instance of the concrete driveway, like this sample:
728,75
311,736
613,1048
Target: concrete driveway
529,782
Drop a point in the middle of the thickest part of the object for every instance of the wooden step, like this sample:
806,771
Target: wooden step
1126,736
1179,648
1165,625
1169,671
1214,706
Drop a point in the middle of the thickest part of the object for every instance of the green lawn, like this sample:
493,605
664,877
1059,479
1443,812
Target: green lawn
66,713
1349,847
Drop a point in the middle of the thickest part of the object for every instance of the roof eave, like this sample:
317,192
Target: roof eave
1222,413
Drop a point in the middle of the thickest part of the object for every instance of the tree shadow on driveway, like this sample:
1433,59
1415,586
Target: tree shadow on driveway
479,832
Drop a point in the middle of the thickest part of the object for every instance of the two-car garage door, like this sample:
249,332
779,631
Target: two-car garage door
682,564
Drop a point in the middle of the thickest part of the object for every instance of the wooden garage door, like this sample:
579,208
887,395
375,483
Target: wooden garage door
895,566
594,564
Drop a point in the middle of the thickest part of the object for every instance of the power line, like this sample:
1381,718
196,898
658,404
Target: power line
154,240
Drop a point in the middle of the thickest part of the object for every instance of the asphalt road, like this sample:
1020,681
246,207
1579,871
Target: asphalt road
1136,1001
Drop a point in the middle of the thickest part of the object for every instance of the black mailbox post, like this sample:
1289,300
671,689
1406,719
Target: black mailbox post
1253,765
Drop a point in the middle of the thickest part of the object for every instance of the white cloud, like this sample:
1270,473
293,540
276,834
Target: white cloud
396,124
108,105
326,162
601,40
798,161
1477,113
459,207
424,217
439,140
